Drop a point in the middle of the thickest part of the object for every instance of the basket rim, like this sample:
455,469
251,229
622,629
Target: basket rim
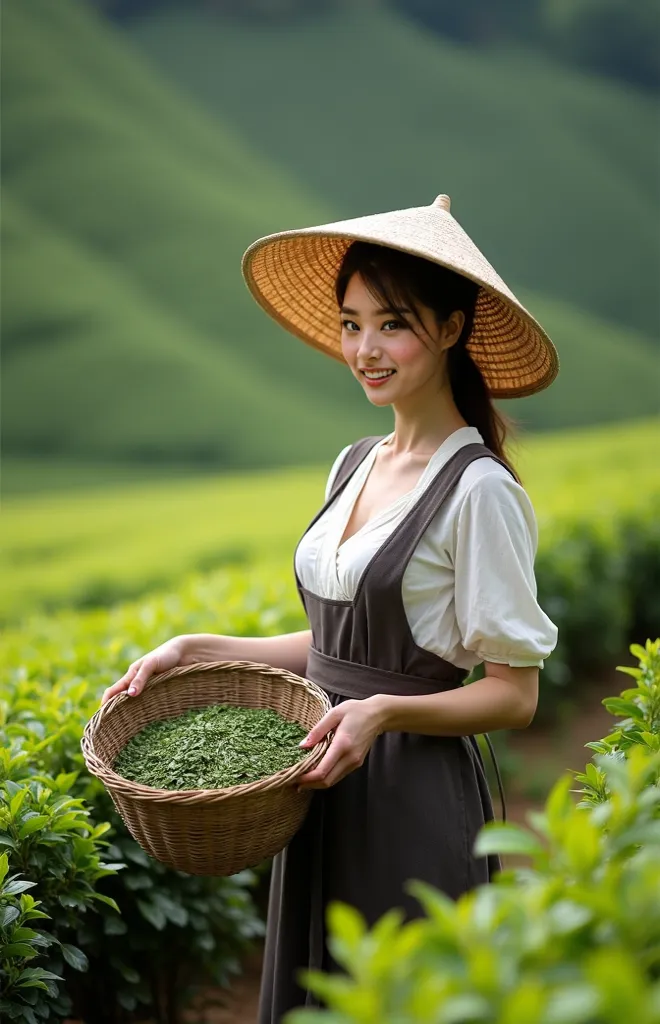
138,791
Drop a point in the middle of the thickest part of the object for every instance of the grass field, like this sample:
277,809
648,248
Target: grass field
128,334
102,544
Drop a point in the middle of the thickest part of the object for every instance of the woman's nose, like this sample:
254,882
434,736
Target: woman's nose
369,345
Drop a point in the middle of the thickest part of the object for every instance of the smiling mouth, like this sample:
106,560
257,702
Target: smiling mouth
377,374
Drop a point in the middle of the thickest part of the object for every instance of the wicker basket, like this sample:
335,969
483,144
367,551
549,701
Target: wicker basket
208,831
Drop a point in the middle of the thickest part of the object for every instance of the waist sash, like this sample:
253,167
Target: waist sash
349,679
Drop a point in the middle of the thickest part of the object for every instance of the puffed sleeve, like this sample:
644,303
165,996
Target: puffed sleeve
334,469
497,610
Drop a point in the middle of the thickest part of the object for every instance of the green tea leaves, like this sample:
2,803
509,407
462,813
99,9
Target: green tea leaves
211,748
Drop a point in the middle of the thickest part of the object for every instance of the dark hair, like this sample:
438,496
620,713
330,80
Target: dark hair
403,281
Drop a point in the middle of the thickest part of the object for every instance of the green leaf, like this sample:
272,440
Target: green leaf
105,899
34,914
17,949
154,915
129,974
16,886
347,923
127,1000
114,926
617,706
4,867
100,830
634,672
7,915
33,825
65,780
74,957
69,822
16,801
23,934
40,974
507,838
559,805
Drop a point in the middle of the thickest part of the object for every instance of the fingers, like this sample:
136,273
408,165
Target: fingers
339,759
148,666
344,766
129,681
329,721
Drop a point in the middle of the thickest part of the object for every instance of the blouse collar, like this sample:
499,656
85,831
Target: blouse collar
456,440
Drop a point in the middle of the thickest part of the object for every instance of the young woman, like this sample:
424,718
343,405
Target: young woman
419,566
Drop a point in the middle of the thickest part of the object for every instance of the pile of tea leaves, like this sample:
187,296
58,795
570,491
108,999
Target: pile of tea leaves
211,748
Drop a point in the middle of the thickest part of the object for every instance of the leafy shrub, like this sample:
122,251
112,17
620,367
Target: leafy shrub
641,727
21,985
50,838
597,582
573,938
172,928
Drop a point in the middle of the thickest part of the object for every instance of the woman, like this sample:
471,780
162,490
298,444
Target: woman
418,567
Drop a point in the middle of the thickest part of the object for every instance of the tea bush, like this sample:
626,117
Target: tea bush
65,841
573,938
20,985
597,580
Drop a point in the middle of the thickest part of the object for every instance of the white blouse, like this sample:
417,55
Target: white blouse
469,590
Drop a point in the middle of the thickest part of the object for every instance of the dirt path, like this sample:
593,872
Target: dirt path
236,1005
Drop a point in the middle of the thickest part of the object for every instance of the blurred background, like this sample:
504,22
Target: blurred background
146,144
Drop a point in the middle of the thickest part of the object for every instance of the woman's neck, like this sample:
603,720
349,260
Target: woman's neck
418,436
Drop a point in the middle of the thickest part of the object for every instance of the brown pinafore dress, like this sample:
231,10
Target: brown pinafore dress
414,807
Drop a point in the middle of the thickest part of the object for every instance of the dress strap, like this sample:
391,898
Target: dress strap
354,456
399,546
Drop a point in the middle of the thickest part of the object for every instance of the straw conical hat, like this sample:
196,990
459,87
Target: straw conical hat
292,275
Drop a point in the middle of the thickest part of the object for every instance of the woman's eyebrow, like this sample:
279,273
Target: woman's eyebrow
377,312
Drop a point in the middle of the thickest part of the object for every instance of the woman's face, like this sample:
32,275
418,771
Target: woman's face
373,338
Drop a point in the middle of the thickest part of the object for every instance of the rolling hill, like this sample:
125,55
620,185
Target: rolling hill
554,172
128,333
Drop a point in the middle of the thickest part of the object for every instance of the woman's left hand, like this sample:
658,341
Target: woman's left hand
357,723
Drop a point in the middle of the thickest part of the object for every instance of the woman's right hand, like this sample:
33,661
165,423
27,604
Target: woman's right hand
170,654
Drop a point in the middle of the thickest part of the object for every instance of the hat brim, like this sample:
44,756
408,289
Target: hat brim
292,275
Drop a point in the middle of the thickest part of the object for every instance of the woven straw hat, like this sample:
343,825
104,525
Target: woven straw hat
292,275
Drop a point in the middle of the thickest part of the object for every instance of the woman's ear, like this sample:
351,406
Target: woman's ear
450,330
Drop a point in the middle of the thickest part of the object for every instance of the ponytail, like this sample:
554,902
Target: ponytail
473,400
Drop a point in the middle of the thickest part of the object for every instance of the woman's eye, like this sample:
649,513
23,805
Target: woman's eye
350,325
392,325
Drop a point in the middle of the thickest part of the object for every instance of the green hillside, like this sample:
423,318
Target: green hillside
554,172
128,334
607,372
154,205
98,545
143,382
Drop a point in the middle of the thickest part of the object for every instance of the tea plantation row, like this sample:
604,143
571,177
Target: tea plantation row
101,545
121,931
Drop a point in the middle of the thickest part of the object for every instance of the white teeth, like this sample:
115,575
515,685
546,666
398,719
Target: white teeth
375,374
